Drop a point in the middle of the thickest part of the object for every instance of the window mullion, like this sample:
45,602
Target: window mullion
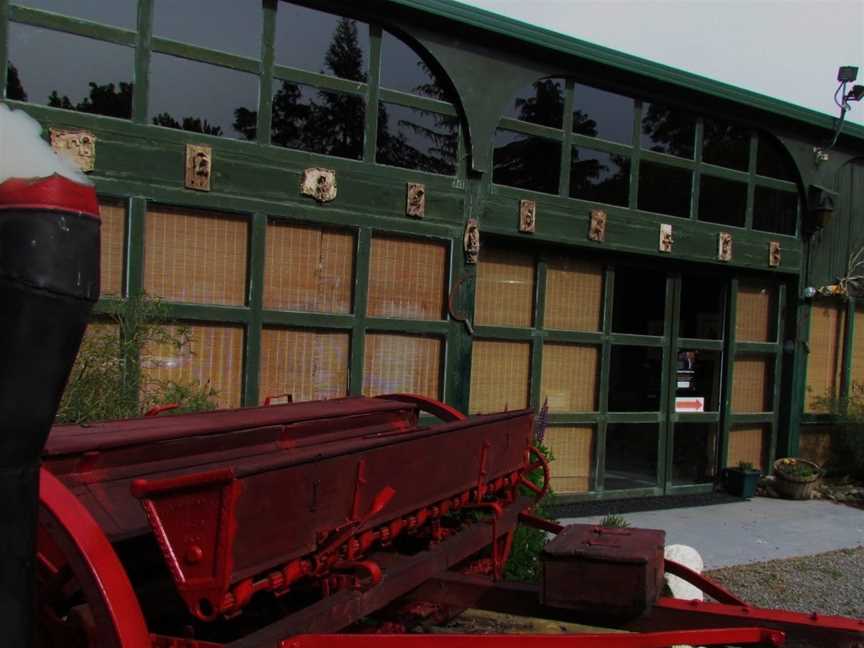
265,91
371,142
567,142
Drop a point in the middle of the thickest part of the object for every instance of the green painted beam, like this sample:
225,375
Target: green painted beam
69,25
4,39
493,23
141,87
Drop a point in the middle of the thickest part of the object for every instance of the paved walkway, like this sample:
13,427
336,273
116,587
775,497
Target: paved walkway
756,530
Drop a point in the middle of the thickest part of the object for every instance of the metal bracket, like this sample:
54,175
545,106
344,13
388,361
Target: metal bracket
471,241
597,228
527,216
724,246
666,239
774,254
199,167
415,201
78,146
319,183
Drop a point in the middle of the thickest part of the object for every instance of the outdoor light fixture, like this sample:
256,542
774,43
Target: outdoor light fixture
846,74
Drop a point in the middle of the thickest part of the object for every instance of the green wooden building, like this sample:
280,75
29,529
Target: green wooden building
493,214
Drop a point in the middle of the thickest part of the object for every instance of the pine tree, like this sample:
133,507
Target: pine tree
191,124
14,89
104,99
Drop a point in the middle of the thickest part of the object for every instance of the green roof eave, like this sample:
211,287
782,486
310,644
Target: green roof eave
493,22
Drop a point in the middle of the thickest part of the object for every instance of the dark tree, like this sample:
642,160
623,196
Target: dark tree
246,123
670,131
107,99
546,107
344,58
191,124
14,89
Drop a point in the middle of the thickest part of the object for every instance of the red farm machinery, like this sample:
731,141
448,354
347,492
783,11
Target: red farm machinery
290,526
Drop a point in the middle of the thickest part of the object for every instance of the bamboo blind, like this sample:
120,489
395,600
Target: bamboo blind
407,278
309,365
308,268
574,295
825,360
569,377
194,256
751,384
573,457
755,321
858,349
214,356
747,443
113,233
500,375
505,289
402,363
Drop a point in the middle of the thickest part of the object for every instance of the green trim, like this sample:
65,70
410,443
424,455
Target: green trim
848,349
417,102
141,87
295,319
205,55
488,21
4,40
729,373
135,250
320,81
567,148
252,360
69,25
527,128
265,91
370,146
361,292
208,313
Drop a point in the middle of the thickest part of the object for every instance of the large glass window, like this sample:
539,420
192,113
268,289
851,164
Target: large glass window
598,113
541,103
228,25
665,189
668,130
722,201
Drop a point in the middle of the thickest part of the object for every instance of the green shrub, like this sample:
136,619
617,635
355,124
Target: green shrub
847,433
106,382
524,562
614,521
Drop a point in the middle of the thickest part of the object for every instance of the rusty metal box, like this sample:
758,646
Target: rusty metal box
605,572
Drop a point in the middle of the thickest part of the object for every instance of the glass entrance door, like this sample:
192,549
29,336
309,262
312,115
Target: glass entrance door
693,385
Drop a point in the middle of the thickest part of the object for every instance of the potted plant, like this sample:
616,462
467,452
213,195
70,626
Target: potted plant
742,481
796,478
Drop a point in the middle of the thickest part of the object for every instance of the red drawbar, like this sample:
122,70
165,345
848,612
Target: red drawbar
53,192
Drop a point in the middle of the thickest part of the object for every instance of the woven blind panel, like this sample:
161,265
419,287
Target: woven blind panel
751,384
573,452
195,257
858,350
505,289
574,295
755,321
500,375
747,444
214,357
825,360
402,363
308,268
113,233
569,377
407,279
309,365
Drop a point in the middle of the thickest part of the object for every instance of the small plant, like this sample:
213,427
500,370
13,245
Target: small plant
795,468
847,433
745,466
614,521
106,381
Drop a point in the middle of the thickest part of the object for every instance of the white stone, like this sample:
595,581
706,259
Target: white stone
688,557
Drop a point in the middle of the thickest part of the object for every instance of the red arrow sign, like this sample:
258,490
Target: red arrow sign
690,404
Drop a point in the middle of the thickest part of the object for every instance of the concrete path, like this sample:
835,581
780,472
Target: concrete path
754,531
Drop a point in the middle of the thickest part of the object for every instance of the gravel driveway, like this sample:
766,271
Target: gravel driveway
827,583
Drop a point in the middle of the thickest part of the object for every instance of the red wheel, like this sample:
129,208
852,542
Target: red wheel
535,460
84,598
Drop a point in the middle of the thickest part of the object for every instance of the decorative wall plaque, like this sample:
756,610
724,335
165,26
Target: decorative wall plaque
527,216
597,228
415,203
79,146
666,239
471,242
319,183
724,246
199,167
774,254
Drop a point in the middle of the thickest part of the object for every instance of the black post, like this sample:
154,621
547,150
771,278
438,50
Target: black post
49,280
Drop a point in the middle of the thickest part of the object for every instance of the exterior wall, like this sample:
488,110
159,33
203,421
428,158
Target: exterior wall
286,295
